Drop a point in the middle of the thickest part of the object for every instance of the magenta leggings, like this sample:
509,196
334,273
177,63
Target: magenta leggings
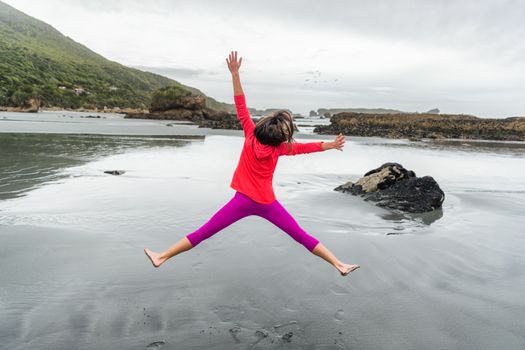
240,206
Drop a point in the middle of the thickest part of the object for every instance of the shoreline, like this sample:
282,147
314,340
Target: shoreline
81,110
494,143
393,132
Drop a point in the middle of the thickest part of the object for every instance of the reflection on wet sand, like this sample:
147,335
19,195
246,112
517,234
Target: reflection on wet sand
74,274
426,218
29,160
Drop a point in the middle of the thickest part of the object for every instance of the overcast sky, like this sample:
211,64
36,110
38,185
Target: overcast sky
459,56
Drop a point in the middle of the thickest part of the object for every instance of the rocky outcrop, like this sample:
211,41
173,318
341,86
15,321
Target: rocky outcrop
188,102
176,103
221,121
418,126
205,118
32,105
114,172
392,186
173,103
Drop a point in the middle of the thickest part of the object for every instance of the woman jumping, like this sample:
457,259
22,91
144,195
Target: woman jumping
265,141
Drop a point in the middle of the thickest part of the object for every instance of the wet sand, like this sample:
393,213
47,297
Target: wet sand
74,274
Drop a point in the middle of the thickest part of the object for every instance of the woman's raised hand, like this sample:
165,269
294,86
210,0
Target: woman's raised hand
339,142
233,64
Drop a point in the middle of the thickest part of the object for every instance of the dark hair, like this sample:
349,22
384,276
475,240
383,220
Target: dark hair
275,128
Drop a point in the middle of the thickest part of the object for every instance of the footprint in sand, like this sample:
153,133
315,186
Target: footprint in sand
233,331
197,266
339,315
338,290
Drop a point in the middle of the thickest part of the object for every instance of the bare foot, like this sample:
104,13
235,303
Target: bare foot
345,269
155,258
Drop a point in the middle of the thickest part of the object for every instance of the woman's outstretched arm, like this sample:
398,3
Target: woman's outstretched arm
337,144
238,95
309,147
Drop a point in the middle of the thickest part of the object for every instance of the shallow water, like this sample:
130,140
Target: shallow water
74,275
29,160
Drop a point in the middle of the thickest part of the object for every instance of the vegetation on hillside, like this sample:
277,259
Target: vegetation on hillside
37,61
165,96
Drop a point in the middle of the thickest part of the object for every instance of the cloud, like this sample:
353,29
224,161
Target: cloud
174,72
460,56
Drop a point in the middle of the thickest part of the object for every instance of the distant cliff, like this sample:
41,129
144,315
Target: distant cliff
417,126
268,111
332,111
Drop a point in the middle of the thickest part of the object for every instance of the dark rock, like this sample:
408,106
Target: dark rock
392,186
114,172
221,122
156,344
414,195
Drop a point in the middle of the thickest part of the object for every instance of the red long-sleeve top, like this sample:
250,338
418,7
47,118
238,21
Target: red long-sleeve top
254,173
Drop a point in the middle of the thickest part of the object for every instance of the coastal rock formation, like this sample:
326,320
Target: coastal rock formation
31,105
392,186
205,118
417,126
174,98
221,121
175,103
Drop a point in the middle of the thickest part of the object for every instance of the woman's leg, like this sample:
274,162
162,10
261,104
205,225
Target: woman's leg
279,216
323,252
231,212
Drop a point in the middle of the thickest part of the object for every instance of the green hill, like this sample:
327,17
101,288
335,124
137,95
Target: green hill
37,61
